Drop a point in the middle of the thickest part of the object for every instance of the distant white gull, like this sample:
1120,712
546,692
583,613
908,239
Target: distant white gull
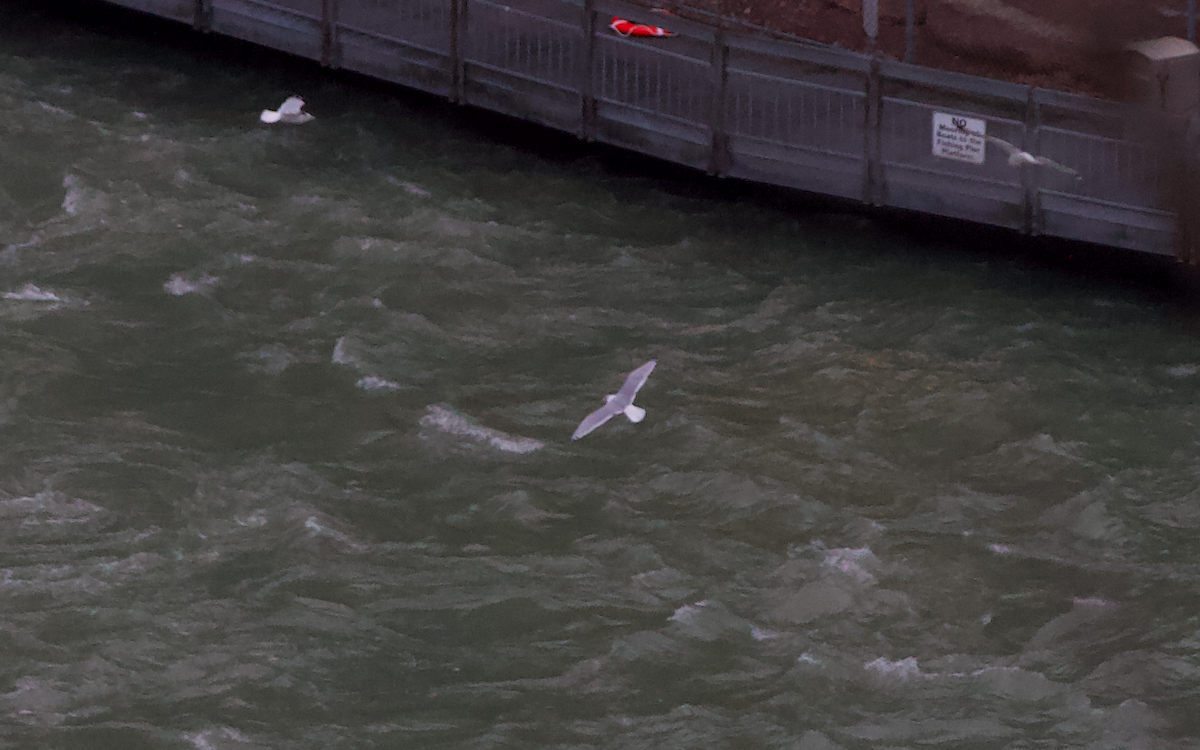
291,112
1017,157
621,401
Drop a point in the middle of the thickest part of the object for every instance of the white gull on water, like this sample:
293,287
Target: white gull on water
291,112
621,401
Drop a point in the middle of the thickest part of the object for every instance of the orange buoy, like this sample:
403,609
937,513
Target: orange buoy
629,28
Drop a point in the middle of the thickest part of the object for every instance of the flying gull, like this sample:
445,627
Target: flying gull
616,403
1017,157
291,112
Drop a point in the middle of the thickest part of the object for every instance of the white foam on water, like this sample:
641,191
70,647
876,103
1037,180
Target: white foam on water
452,423
851,562
219,739
688,612
33,293
31,301
76,198
1093,602
409,187
708,620
58,112
70,201
48,514
180,284
322,525
271,359
340,354
904,669
1045,443
376,383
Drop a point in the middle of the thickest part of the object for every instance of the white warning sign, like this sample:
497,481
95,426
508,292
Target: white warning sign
959,138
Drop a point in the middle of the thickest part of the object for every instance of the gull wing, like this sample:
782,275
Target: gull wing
1055,165
597,418
1018,156
291,106
633,384
1008,147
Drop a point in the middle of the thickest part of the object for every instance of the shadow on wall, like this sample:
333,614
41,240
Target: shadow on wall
1176,144
1160,80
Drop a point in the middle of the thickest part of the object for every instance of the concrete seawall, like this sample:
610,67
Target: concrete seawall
735,104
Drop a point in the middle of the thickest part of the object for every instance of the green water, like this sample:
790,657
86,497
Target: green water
286,416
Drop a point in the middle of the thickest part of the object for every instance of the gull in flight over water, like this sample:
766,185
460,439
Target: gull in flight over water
1017,157
616,403
291,112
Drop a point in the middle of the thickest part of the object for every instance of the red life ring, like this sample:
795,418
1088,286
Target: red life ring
629,28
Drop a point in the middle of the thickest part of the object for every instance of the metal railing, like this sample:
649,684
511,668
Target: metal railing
738,104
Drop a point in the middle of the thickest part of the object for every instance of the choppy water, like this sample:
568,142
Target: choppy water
286,418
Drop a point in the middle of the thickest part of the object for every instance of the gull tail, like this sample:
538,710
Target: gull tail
635,413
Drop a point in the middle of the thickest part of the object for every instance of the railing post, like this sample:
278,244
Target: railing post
200,17
718,158
1183,184
458,45
1032,219
910,22
587,74
873,187
870,23
328,33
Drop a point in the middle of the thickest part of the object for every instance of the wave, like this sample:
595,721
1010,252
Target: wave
452,423
33,293
180,284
